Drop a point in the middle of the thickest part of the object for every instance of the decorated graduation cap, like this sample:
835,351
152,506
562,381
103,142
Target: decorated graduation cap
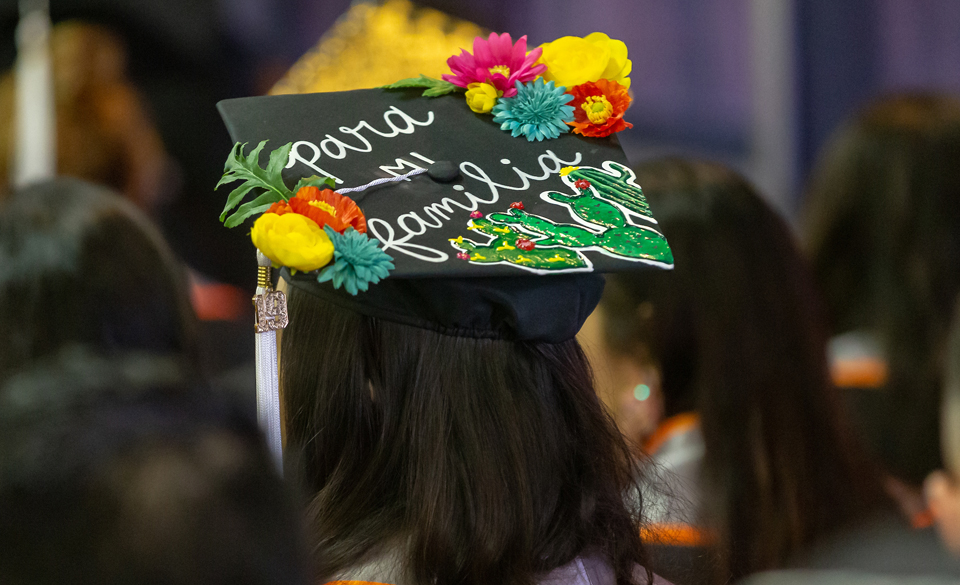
483,204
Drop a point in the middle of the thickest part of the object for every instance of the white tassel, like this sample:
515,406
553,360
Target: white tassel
271,315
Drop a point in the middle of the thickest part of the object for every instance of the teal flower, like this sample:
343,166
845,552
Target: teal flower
538,111
357,261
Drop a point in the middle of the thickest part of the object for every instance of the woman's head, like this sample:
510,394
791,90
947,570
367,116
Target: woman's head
738,276
482,460
735,332
79,265
882,228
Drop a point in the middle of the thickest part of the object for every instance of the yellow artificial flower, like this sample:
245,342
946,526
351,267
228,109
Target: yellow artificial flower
571,61
481,97
292,240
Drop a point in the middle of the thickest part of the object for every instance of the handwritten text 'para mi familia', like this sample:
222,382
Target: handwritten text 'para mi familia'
416,222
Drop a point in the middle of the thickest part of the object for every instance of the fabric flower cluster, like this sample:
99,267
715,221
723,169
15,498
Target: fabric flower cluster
321,228
572,82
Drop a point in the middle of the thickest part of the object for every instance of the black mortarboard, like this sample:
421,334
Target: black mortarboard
499,237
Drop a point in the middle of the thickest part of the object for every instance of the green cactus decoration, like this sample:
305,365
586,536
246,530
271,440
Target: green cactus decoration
503,248
618,187
545,245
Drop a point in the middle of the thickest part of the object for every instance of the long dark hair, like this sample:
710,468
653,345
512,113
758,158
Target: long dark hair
480,460
736,332
80,265
882,228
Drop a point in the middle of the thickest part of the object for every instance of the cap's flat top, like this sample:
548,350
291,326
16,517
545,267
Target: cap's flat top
465,227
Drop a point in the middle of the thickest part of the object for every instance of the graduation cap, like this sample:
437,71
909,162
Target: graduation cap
480,217
483,204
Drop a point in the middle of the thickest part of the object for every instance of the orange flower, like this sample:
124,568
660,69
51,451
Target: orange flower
325,208
599,107
280,207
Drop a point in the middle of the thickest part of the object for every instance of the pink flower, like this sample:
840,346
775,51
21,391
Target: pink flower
496,61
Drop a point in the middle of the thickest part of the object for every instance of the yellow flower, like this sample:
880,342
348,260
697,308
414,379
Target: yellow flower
571,61
292,240
481,97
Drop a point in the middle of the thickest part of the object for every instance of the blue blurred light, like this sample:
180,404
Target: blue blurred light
641,392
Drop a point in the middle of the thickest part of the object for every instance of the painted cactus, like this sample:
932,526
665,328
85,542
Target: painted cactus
503,248
616,184
552,246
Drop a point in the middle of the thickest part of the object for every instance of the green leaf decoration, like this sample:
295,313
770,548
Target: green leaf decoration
247,169
441,88
315,181
434,87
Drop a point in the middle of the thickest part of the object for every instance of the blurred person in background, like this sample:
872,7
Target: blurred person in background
128,69
104,133
925,556
943,486
113,473
135,87
81,266
882,229
730,348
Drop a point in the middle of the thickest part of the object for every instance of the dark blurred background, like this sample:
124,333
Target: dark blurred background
756,84
759,84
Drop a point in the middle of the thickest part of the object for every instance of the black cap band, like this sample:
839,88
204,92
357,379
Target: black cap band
514,308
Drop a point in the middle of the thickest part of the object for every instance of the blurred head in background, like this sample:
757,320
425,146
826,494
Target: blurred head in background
79,265
734,336
882,229
110,473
